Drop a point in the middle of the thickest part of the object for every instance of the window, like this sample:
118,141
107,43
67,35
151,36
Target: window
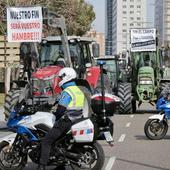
138,13
131,12
131,6
124,12
124,18
138,24
124,36
138,6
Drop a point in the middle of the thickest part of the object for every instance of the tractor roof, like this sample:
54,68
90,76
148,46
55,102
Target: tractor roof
107,57
58,38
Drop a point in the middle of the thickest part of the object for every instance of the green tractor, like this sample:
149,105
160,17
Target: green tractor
149,75
142,74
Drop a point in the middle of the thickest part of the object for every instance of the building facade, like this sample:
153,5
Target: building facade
99,38
121,16
162,21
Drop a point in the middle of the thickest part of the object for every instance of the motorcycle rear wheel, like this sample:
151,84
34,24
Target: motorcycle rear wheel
9,160
93,157
155,130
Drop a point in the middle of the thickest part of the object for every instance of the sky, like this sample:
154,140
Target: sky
99,9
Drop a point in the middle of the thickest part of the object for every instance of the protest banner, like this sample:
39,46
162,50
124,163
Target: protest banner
143,39
24,24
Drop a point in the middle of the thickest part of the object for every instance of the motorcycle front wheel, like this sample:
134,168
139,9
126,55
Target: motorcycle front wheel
155,129
91,157
9,159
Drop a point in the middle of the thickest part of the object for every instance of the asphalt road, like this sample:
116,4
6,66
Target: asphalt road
132,150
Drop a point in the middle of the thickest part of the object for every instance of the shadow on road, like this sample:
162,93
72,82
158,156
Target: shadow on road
143,137
142,164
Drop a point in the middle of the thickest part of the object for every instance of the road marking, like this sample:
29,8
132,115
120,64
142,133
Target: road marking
110,163
122,137
128,124
131,116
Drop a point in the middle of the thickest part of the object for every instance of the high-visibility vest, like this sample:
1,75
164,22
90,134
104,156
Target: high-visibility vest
77,98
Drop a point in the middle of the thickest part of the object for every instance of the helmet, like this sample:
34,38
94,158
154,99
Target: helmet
66,74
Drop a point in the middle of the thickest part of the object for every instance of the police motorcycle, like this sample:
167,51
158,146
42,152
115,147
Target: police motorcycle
156,126
77,148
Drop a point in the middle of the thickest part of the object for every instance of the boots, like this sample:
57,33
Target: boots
41,167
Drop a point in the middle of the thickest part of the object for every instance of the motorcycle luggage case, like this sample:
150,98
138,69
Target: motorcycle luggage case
83,131
111,103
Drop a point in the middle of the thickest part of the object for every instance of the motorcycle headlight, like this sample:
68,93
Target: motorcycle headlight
145,81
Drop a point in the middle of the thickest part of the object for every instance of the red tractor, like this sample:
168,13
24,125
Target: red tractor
55,52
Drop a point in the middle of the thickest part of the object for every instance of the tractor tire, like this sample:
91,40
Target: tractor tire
10,101
125,95
163,87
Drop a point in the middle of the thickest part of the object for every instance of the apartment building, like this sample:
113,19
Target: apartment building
162,21
121,16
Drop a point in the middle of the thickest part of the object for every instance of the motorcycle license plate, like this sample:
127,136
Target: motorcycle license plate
108,136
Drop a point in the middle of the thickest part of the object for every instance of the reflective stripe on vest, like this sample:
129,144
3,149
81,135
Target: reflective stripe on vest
77,96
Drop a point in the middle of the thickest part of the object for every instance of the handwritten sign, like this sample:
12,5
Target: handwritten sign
24,24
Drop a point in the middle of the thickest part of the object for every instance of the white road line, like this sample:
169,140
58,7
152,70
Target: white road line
128,124
131,116
110,163
122,137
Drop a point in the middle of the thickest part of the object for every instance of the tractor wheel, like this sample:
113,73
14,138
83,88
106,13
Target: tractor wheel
10,101
124,93
162,87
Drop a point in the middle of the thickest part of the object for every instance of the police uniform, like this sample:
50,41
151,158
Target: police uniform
72,99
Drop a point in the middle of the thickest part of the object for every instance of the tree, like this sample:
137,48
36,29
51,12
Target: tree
78,14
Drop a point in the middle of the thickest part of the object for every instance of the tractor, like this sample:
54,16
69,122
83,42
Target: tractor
118,73
142,75
40,86
148,73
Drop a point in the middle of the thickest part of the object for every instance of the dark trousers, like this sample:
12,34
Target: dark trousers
60,126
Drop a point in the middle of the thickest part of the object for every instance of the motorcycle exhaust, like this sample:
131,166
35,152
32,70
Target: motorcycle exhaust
73,156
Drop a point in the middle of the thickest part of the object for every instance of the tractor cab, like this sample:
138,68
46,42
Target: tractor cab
52,52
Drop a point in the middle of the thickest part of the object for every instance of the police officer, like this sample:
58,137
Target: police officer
69,108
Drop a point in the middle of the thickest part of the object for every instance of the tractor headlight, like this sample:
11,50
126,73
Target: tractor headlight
145,81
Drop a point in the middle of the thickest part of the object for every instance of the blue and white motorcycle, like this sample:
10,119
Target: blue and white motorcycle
156,126
77,148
